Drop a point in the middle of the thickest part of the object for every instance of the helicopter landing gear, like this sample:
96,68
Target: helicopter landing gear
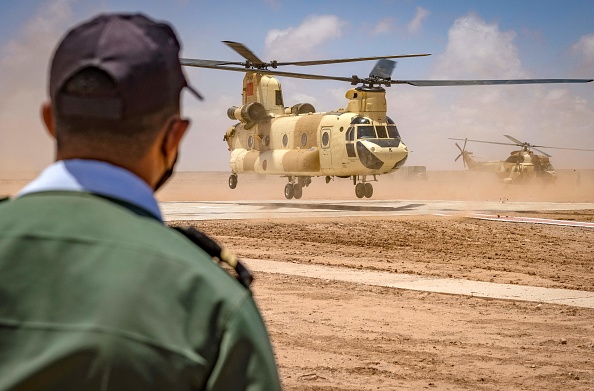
328,179
363,188
232,181
289,191
295,189
360,190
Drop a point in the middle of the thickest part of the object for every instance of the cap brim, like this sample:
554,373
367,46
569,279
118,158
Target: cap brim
194,91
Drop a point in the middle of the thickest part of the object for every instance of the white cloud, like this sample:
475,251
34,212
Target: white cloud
477,49
384,26
295,42
584,49
538,114
417,23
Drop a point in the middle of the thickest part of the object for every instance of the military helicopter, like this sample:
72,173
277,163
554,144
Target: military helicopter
520,167
359,141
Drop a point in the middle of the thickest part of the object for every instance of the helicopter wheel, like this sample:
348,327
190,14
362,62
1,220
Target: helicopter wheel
328,179
368,189
289,191
297,191
360,190
232,181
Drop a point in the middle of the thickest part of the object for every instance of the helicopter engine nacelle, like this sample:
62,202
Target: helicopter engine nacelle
249,114
300,108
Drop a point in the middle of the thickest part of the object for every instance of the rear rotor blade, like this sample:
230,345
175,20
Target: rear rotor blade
445,83
199,64
383,68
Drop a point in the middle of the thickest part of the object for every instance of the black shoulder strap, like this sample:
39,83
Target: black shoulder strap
4,198
213,249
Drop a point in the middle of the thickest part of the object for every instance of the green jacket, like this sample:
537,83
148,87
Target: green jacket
95,296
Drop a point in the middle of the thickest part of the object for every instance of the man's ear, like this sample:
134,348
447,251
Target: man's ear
48,118
174,136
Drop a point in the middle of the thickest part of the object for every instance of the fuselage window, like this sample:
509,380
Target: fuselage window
365,131
381,132
285,140
279,98
250,142
303,140
325,139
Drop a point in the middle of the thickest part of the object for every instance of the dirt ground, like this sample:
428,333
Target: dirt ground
331,335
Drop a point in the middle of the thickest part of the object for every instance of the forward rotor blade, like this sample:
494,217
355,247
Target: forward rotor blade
204,63
244,52
445,83
200,64
341,60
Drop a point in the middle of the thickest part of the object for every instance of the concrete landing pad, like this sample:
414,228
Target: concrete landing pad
229,210
428,284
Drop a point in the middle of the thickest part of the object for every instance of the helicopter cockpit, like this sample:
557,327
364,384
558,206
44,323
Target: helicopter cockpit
373,143
386,135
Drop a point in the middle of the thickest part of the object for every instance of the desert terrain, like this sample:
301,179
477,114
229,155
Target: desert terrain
331,335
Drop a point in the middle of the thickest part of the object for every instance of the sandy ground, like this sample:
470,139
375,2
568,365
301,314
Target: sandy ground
331,335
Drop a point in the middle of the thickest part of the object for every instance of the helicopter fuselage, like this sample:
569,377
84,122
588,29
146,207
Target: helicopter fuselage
520,167
316,144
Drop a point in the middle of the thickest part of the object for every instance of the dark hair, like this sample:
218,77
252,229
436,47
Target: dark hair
131,136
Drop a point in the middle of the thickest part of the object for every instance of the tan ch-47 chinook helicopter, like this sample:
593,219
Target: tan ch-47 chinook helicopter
520,167
357,142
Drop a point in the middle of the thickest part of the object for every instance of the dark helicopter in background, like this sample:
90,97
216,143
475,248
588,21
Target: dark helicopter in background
520,167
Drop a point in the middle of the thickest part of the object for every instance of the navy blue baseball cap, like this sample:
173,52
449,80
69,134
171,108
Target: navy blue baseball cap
139,54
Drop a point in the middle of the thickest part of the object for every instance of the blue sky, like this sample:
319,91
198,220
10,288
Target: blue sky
467,40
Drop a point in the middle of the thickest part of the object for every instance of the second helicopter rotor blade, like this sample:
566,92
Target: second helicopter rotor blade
480,141
515,140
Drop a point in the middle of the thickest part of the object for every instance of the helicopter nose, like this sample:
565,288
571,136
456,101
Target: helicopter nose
390,155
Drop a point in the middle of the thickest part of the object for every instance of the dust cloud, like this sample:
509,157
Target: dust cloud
571,186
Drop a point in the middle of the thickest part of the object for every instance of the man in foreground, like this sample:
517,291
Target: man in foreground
95,292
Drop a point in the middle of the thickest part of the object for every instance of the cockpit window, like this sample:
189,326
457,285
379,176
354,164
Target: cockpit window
359,120
381,132
350,134
365,131
393,131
